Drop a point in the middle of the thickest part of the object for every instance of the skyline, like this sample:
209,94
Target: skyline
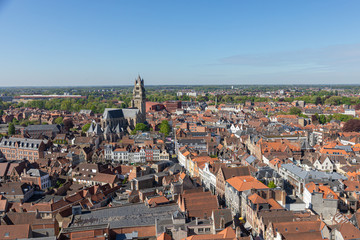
89,43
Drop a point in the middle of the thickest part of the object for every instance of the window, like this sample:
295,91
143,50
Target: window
200,230
207,229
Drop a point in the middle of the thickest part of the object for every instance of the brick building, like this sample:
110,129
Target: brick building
171,106
22,148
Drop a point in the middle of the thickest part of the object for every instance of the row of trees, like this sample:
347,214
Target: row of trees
72,105
322,119
164,128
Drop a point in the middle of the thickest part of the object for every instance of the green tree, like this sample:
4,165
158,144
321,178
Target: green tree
295,111
140,127
125,180
322,119
316,100
271,184
86,127
59,120
11,129
165,128
334,100
15,121
329,118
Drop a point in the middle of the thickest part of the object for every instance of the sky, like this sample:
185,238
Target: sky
179,42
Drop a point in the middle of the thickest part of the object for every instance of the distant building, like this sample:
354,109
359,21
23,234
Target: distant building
16,191
37,177
39,131
172,106
86,112
154,106
114,121
22,148
350,112
25,98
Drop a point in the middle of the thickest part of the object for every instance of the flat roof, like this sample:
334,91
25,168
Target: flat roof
131,215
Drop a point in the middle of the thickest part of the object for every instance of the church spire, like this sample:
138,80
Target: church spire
139,97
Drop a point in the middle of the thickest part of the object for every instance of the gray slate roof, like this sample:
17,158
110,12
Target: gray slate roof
130,112
110,113
125,216
312,174
51,127
24,143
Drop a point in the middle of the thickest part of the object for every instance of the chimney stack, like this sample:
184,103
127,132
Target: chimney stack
222,223
238,232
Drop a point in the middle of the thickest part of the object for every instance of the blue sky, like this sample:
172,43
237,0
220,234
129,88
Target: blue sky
88,42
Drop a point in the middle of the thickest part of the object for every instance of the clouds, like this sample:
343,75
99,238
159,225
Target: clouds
336,64
327,59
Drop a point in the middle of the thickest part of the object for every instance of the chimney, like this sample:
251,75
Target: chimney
222,223
283,197
238,232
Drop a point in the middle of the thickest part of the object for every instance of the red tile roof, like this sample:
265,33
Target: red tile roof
243,183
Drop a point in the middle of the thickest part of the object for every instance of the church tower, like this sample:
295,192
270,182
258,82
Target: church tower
139,97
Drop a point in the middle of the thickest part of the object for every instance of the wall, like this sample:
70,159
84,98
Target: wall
326,207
